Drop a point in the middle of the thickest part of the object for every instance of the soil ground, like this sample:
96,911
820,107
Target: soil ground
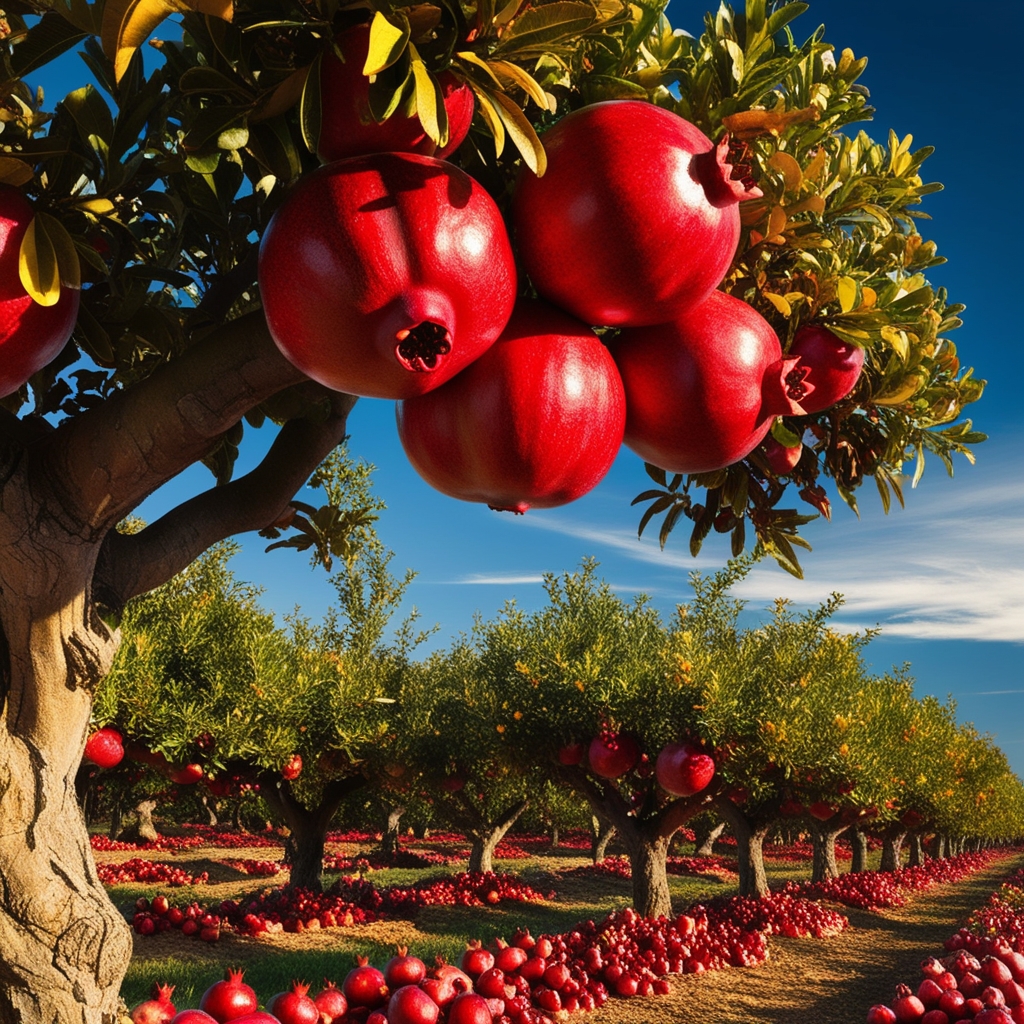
805,981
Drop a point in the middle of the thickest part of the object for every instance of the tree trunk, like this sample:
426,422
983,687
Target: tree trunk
651,896
749,847
705,845
64,947
116,806
236,817
142,830
308,826
555,837
389,837
487,837
601,836
420,830
860,850
211,814
916,851
823,840
892,847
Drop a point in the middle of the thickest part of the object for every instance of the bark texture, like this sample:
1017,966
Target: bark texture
602,835
860,850
486,835
892,847
916,851
65,573
750,831
389,837
705,844
823,841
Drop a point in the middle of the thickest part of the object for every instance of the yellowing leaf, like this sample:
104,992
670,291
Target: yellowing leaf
779,302
387,43
15,172
524,80
430,106
472,58
776,222
127,24
98,206
37,265
868,297
69,270
787,166
490,116
898,339
748,124
846,289
522,134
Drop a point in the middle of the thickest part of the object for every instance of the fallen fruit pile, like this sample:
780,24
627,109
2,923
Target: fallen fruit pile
981,978
153,917
139,870
169,844
618,867
775,914
255,867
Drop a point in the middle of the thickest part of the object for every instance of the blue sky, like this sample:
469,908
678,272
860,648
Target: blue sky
944,578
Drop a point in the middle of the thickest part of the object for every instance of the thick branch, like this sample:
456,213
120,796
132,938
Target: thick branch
133,564
673,816
101,464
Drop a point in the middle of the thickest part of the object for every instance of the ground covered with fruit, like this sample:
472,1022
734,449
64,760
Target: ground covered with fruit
809,954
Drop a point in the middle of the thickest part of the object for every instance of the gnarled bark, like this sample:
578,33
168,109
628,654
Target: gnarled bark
823,843
487,834
601,836
64,947
859,843
389,837
704,846
892,847
308,825
916,851
750,831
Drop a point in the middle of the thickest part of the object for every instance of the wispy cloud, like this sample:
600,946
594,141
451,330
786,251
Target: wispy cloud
949,566
496,579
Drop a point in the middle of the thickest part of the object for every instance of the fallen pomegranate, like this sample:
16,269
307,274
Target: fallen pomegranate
347,127
386,275
403,969
331,1003
104,747
411,1005
534,422
156,1010
702,392
683,769
586,233
230,998
294,1006
364,985
30,334
831,366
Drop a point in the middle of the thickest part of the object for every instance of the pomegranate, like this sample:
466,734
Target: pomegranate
491,983
907,1007
331,1003
403,969
347,127
929,993
822,810
881,1015
105,746
536,421
609,166
193,1017
294,1006
157,1010
386,275
702,392
30,334
186,775
571,754
412,1005
364,985
935,1016
995,972
258,1017
230,998
829,365
683,769
469,1008
476,959
781,460
951,1002
292,768
611,755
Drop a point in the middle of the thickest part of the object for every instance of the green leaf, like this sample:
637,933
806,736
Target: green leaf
786,437
597,88
44,42
387,42
430,106
549,23
91,113
311,107
656,473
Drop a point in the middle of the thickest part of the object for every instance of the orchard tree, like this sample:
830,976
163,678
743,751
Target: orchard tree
137,343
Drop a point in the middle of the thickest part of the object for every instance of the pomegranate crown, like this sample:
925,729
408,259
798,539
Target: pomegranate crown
725,172
401,950
162,991
362,961
234,974
300,988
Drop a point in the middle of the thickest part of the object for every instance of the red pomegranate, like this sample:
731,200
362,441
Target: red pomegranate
294,1006
230,998
683,769
822,810
186,774
347,127
30,334
386,275
411,1005
364,985
571,754
534,422
469,1008
702,392
331,1003
158,1009
193,1017
292,768
611,755
781,460
586,233
831,366
105,748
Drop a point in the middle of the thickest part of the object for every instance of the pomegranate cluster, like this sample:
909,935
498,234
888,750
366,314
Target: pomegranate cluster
153,917
389,273
618,867
265,868
774,914
139,870
169,844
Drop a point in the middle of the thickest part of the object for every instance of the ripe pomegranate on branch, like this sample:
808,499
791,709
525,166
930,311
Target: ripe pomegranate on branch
157,247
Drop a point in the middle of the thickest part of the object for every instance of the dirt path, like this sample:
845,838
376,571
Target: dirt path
829,981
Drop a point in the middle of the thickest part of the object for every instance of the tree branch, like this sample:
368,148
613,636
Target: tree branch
101,464
131,564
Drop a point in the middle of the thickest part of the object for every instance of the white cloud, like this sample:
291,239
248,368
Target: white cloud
498,578
949,566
